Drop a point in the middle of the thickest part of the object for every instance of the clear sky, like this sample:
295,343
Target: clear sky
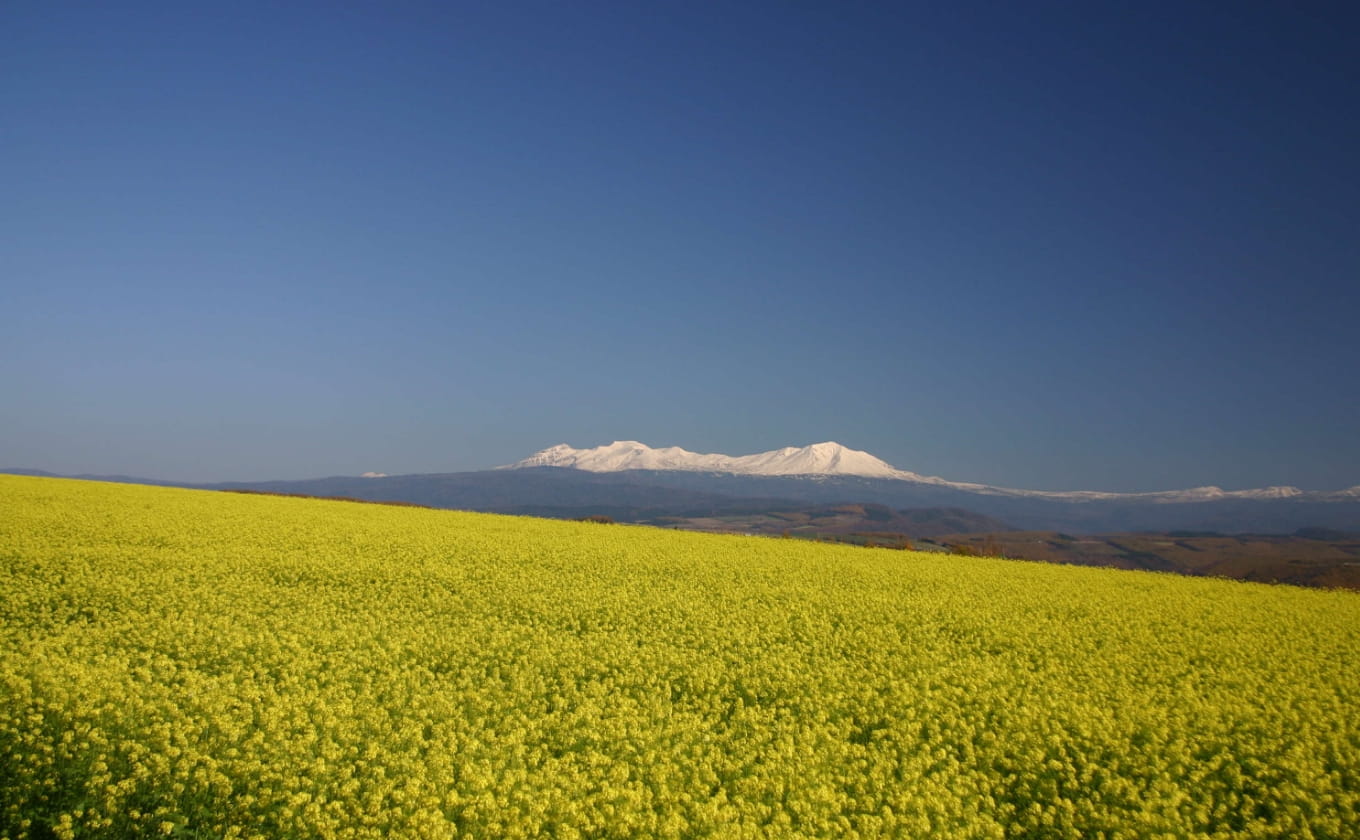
1106,246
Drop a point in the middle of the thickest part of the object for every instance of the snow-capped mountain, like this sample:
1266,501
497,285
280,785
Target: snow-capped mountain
833,459
818,459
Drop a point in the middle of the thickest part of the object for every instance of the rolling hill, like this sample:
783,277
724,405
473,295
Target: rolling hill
185,663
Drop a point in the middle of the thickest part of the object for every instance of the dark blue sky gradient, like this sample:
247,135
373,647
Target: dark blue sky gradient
1036,245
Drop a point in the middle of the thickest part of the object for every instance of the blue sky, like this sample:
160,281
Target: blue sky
1036,245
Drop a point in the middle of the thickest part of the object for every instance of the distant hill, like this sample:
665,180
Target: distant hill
1308,558
868,523
557,493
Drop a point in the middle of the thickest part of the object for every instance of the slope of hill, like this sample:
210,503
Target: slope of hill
210,664
1321,559
874,523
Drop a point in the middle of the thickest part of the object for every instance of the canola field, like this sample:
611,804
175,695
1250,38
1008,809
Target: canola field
197,664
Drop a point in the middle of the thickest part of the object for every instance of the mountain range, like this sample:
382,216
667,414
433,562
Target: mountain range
833,459
817,459
631,481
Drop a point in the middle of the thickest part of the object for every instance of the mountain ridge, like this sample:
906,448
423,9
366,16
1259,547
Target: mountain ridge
826,458
833,459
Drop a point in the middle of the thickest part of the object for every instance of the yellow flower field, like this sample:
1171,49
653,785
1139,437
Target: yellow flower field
199,664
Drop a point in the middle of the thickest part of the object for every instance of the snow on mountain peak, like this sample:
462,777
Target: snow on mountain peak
832,459
827,458
1273,492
